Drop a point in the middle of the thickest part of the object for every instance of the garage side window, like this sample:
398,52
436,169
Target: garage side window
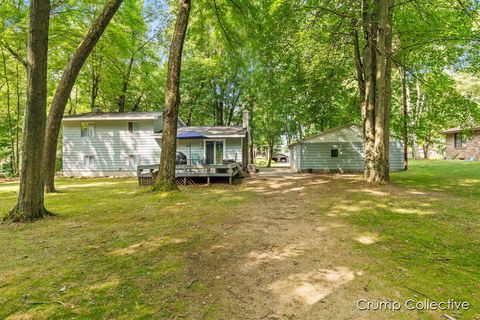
334,153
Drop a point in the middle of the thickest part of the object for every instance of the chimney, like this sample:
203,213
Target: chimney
246,118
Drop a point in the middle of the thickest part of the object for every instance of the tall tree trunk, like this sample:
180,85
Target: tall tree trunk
65,86
370,35
405,103
377,53
9,116
388,89
30,204
380,95
166,174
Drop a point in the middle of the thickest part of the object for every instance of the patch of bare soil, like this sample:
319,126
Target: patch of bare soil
285,255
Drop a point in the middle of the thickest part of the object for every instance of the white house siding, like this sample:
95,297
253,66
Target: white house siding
111,147
233,148
191,147
295,157
317,156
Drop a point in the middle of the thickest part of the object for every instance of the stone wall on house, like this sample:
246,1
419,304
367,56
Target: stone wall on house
469,150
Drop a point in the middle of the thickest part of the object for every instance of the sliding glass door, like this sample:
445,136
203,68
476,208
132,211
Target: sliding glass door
214,151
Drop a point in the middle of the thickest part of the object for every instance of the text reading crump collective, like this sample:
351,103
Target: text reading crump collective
411,304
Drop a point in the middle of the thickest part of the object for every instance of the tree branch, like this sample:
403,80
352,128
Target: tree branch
14,54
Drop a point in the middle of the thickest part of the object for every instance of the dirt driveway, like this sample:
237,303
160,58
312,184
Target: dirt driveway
285,255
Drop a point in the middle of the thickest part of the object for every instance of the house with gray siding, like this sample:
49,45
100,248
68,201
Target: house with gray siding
115,144
338,150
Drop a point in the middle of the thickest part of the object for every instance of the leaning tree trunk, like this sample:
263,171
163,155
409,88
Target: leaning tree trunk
166,175
30,204
62,94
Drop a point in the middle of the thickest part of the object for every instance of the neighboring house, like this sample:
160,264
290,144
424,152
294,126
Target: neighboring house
462,144
338,150
115,144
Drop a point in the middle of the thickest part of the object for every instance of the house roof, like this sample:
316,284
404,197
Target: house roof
212,132
350,133
114,116
458,129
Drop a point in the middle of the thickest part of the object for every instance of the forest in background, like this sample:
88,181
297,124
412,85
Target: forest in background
290,63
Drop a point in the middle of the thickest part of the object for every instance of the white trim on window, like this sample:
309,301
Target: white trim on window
89,161
87,129
133,160
133,126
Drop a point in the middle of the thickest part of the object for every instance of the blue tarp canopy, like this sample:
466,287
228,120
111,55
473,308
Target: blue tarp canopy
190,135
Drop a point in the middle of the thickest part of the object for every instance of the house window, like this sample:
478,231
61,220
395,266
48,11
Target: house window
89,161
334,153
459,140
133,160
133,126
87,129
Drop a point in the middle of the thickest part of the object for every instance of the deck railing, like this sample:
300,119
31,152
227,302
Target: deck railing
194,170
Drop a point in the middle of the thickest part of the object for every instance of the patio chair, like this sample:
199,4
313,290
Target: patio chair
195,159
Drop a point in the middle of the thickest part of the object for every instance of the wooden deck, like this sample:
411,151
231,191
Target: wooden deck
147,173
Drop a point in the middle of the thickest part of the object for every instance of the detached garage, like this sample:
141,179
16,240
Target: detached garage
338,150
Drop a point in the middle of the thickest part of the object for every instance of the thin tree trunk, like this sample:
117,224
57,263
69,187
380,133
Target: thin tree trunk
360,70
189,116
9,116
65,86
126,80
17,127
270,154
94,89
136,104
403,76
415,116
30,204
426,149
166,174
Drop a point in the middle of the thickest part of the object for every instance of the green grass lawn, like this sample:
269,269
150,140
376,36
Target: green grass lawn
429,222
114,251
117,251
